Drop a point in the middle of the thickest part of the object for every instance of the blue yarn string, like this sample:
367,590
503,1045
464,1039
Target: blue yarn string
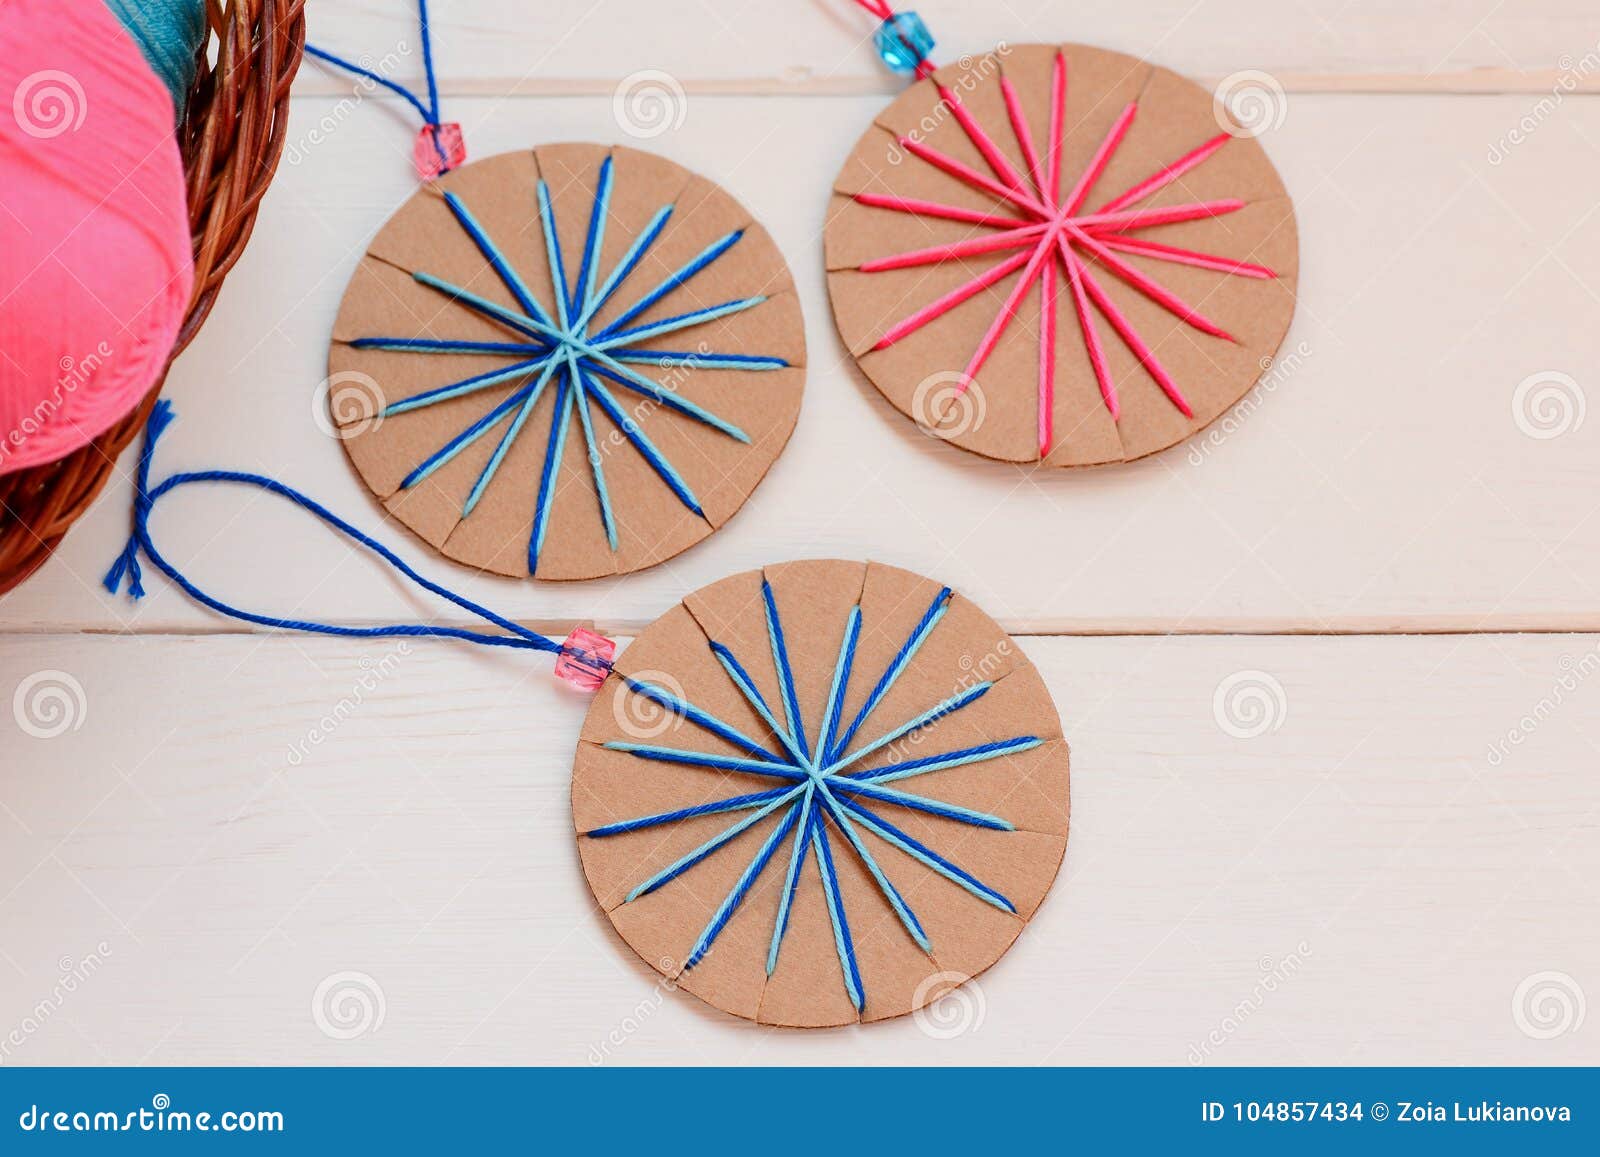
807,807
780,660
563,344
429,111
930,619
145,497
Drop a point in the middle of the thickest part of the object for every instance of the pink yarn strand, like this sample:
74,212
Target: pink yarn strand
1007,311
971,176
1156,293
1019,125
1047,356
1058,120
936,253
949,301
1102,158
936,209
1166,215
985,144
1091,336
1131,338
1167,175
1160,252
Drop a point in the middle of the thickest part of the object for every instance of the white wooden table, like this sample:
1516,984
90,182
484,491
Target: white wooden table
1400,546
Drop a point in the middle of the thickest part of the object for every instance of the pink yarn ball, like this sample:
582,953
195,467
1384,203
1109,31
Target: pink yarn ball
95,263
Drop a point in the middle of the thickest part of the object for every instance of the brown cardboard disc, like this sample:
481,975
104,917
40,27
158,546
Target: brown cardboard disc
424,237
996,412
1022,782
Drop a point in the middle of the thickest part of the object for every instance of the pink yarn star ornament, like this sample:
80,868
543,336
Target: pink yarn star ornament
1042,230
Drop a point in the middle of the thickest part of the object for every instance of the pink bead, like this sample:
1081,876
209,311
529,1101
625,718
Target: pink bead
425,152
585,659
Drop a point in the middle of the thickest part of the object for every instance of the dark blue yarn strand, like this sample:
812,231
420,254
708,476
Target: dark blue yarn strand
637,256
145,498
450,448
612,334
837,906
698,717
576,300
732,803
684,357
615,330
882,685
831,723
701,759
932,807
785,672
495,258
728,657
965,753
630,430
547,476
912,841
417,401
430,111
438,345
741,889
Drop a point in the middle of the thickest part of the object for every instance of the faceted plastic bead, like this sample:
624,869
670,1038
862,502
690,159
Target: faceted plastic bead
903,41
434,140
585,659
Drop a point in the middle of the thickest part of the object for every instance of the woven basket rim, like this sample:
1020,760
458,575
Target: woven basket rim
231,141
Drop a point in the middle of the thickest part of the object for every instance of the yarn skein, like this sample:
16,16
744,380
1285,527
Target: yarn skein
169,33
95,261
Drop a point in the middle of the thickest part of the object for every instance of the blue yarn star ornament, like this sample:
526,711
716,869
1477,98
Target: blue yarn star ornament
823,794
565,346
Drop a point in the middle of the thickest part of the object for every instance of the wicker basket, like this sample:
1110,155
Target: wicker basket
231,141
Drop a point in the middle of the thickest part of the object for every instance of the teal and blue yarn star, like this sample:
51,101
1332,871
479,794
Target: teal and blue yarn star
821,788
563,345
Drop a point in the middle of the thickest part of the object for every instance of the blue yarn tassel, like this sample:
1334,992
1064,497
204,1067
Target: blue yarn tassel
145,497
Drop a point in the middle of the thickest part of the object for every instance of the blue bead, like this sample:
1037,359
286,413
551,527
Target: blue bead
903,41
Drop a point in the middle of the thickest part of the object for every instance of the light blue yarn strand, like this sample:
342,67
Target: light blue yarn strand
169,34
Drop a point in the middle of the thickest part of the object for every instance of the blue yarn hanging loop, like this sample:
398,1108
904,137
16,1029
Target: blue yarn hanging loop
141,542
429,111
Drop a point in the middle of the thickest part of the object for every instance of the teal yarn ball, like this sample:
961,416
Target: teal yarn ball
169,33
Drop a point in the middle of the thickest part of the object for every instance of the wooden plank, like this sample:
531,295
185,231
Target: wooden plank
1368,880
824,45
1379,479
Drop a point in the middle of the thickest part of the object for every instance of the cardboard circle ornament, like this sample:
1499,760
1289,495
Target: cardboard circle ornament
1060,255
567,435
813,794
